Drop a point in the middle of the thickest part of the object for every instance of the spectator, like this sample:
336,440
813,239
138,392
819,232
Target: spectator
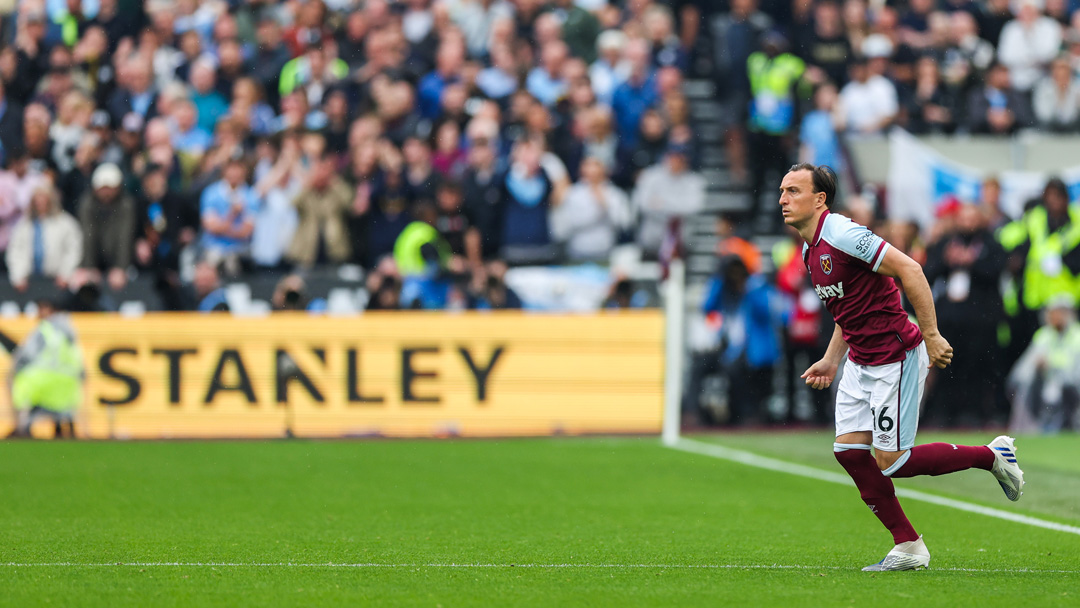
964,267
1056,99
819,141
610,69
136,93
742,306
449,157
230,66
915,24
209,103
730,242
270,56
387,294
636,94
665,191
990,201
36,122
107,214
47,241
996,107
1046,377
167,223
1044,259
420,175
309,28
115,24
188,138
624,296
592,216
855,15
598,136
290,294
580,28
825,46
72,119
968,56
500,80
227,212
545,82
448,65
454,225
421,251
388,211
489,291
17,185
527,199
667,49
11,122
1028,43
276,221
736,35
807,330
205,293
774,74
930,106
868,103
314,72
649,150
992,16
482,190
322,234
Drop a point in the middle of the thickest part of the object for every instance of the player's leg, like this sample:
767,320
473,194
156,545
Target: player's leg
852,451
896,420
909,552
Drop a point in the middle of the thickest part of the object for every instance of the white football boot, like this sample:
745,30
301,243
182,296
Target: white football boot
912,555
1005,469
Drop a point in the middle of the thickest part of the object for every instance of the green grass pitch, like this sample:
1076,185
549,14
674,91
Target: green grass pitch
542,522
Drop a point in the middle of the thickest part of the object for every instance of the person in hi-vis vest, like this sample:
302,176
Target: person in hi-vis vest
1044,248
48,374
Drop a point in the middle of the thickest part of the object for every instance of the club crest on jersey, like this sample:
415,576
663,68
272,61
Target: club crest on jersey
826,263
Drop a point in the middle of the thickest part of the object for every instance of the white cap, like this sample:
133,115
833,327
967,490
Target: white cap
1061,301
610,39
877,45
107,175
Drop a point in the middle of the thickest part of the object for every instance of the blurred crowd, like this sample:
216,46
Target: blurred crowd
432,142
439,141
1005,289
800,77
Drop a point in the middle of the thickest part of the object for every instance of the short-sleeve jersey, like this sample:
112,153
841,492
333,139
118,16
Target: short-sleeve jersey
843,260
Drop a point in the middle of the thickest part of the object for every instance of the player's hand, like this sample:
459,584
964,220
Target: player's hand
820,375
939,350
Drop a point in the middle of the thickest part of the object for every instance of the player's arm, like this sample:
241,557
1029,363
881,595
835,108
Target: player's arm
821,374
898,265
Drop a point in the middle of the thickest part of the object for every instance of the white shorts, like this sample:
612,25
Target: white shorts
883,399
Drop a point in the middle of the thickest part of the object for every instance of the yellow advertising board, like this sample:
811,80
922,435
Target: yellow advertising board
400,374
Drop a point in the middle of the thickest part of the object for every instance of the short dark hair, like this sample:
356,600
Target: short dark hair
824,179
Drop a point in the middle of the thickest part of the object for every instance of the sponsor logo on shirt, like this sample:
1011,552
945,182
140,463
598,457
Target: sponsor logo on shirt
863,246
829,291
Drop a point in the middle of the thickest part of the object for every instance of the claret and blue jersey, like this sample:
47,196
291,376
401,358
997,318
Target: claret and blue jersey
843,260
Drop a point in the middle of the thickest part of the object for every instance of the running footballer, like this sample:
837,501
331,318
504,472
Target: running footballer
886,363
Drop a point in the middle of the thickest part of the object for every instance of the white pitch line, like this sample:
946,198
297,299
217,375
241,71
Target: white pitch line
498,566
781,466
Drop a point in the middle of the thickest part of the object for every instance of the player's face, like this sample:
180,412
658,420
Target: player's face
798,201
